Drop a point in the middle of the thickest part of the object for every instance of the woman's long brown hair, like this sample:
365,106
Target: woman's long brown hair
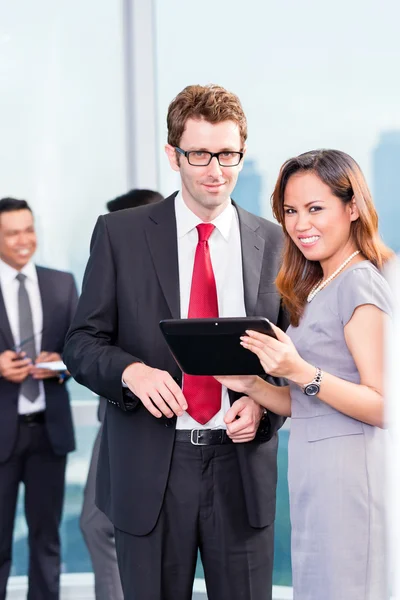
341,173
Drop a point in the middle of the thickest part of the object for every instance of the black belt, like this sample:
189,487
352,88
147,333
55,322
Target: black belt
33,418
203,437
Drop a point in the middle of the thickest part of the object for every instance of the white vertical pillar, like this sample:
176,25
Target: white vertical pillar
140,93
393,399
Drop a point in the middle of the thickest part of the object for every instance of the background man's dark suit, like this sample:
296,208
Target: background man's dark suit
131,283
59,298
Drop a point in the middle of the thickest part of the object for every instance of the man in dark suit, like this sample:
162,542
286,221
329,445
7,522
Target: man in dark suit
184,464
36,309
97,529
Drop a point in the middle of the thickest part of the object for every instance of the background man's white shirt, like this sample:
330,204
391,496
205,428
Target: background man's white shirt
9,287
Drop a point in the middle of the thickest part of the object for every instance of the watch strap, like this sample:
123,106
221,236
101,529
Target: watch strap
317,379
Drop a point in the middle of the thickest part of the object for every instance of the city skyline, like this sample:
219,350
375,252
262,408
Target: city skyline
386,166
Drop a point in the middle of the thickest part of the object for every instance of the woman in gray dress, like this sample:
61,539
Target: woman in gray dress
332,358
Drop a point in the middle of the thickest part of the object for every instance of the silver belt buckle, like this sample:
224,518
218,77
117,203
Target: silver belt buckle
194,441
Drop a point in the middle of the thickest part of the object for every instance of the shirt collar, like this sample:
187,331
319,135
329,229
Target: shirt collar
186,220
8,273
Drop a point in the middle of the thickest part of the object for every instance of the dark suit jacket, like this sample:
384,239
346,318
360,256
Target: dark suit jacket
59,299
131,283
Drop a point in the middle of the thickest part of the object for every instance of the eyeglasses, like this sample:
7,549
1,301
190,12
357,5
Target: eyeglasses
201,158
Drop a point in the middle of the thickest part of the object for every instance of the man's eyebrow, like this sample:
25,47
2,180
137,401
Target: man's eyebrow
197,149
12,231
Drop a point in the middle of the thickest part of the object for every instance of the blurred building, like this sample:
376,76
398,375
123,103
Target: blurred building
247,191
386,167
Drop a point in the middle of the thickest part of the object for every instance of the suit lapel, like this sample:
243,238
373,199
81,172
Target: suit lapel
162,240
5,328
252,257
45,296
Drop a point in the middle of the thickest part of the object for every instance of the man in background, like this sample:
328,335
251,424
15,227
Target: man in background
36,433
97,529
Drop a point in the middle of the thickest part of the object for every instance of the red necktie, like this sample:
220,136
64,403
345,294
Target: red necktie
203,393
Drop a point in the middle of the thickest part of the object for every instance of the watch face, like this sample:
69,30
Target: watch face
312,389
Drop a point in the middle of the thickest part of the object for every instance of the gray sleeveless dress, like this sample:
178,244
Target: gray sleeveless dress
336,463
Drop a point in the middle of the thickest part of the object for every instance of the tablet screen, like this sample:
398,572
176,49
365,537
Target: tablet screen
212,346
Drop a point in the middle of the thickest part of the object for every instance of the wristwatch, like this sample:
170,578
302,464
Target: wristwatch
312,388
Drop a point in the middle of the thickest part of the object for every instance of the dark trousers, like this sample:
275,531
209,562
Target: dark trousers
203,510
98,533
34,463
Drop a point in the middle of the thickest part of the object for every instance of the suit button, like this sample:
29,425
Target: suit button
168,423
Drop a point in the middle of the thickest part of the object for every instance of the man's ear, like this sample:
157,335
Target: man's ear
354,214
172,157
244,154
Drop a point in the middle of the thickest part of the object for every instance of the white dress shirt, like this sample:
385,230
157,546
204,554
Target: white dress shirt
9,288
226,257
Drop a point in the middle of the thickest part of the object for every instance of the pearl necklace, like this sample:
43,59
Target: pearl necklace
320,286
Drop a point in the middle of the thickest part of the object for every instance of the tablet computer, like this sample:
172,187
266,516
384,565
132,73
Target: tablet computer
212,346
